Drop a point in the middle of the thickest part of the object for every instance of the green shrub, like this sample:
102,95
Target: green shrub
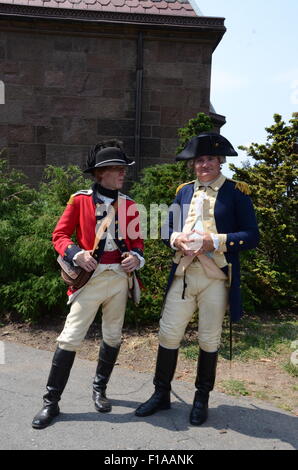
29,274
270,272
201,123
158,183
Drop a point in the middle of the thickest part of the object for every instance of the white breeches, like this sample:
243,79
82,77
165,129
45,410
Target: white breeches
108,289
210,296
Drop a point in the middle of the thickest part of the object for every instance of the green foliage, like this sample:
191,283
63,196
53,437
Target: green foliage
261,336
158,183
269,273
16,203
255,337
235,387
291,369
29,274
59,183
201,123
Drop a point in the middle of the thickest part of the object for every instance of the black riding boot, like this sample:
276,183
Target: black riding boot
204,384
106,362
164,373
59,373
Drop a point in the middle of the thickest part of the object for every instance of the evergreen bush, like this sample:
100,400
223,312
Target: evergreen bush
270,272
29,274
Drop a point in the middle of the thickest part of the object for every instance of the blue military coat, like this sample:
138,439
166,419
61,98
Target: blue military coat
235,216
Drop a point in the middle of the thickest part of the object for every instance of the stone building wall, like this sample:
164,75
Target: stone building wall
176,88
68,87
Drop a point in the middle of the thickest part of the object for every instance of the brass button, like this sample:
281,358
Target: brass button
241,242
232,243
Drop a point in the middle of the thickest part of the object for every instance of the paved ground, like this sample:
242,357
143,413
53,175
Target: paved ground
233,423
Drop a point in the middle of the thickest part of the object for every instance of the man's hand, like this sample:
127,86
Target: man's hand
86,261
183,243
130,263
208,244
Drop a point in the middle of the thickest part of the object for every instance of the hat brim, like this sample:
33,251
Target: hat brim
106,163
207,143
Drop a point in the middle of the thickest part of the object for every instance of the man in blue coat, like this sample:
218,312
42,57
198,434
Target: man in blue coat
211,220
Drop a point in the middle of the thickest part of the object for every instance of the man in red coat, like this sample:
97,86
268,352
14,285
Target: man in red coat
108,285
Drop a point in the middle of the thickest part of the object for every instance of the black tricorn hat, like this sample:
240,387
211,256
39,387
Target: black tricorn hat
99,157
207,143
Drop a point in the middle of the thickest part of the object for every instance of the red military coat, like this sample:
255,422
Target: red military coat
79,217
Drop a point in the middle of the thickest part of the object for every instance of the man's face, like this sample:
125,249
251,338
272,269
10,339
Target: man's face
111,177
207,167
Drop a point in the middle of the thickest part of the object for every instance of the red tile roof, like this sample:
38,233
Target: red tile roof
153,7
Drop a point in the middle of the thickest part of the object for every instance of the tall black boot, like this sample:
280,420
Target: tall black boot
106,362
164,373
58,377
204,384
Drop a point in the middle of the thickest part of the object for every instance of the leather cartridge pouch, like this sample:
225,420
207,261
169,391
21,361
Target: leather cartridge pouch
75,276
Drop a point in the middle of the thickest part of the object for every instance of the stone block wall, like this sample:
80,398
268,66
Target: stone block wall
176,87
64,91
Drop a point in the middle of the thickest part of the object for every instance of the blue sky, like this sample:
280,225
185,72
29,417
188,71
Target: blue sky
255,66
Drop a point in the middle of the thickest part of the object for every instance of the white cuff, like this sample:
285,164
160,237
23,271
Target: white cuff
215,240
75,257
141,259
173,238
